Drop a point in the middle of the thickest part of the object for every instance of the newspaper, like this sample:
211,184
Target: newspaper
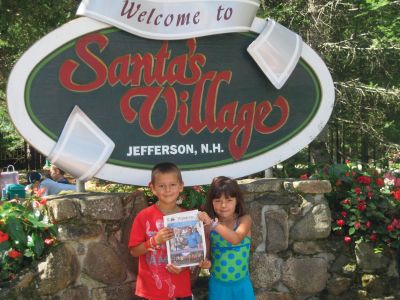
188,246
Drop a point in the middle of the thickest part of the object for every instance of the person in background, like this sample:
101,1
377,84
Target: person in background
58,175
49,186
228,228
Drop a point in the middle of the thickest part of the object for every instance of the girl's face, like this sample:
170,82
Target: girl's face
224,207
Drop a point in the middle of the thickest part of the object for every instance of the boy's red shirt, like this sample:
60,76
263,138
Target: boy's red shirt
154,281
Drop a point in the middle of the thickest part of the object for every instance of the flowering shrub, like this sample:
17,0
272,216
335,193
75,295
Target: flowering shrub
25,232
369,205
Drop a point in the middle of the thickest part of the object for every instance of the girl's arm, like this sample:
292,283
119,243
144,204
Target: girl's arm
235,236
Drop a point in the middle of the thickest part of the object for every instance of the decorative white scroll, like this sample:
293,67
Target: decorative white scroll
173,19
83,148
276,51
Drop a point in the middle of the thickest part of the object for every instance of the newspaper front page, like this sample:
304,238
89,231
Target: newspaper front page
188,246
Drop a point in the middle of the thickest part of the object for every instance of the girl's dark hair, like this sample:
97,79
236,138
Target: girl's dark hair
228,187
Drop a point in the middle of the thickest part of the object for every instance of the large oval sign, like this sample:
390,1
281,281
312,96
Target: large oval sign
202,103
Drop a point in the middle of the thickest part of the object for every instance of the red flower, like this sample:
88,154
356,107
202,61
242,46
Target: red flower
340,223
357,225
49,241
346,201
361,206
396,195
379,182
347,174
304,176
357,190
370,194
390,228
347,239
372,237
344,214
3,236
43,201
364,179
14,254
368,224
39,192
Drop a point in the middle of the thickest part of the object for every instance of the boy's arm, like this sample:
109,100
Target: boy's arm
161,237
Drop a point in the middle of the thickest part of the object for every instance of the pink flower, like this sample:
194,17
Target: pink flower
346,201
357,190
344,214
340,223
357,225
14,254
368,224
347,239
390,228
49,241
370,194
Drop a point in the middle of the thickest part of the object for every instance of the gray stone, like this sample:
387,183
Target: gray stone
62,209
316,224
119,292
261,185
58,271
277,229
273,296
305,276
374,285
103,264
256,228
368,260
102,207
338,285
74,231
265,270
275,198
74,293
309,186
307,248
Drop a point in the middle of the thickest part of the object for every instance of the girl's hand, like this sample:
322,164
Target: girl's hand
165,234
205,264
205,218
173,269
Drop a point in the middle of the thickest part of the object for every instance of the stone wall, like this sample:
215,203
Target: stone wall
293,256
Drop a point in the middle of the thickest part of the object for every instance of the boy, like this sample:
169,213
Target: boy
156,278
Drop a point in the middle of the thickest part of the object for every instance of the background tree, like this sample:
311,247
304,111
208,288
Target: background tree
360,42
21,24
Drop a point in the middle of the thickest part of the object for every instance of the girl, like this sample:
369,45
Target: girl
228,228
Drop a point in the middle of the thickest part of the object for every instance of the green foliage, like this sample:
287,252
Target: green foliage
25,233
366,205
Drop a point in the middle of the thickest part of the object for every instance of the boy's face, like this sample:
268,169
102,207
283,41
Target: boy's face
167,187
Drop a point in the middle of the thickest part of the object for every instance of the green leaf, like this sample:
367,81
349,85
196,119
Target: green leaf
352,230
38,244
16,231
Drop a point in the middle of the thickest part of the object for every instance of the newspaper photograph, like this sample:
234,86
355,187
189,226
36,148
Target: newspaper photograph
188,246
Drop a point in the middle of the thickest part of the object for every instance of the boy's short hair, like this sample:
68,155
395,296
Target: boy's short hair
165,167
33,177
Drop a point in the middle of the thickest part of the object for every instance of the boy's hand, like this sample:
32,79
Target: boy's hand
173,269
164,235
204,217
205,264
